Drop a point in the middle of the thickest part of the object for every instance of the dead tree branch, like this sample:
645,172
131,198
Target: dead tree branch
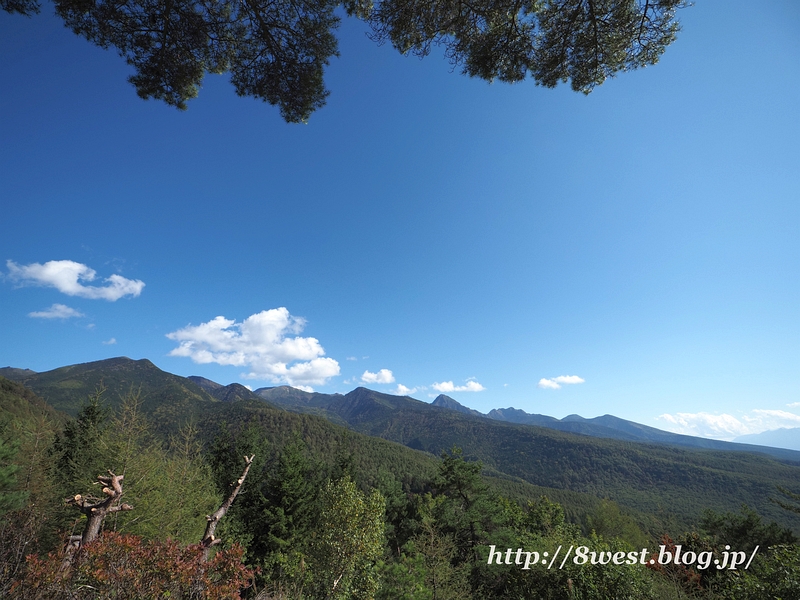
96,510
208,537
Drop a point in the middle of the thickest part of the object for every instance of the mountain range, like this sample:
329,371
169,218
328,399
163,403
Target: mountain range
613,427
785,437
338,408
657,473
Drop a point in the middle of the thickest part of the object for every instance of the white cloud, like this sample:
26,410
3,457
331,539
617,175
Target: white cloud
403,390
548,384
556,382
727,427
773,419
382,376
793,404
351,358
67,277
569,379
57,311
448,386
705,425
261,343
110,342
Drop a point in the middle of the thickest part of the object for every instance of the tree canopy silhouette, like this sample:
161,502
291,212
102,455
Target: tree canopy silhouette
276,50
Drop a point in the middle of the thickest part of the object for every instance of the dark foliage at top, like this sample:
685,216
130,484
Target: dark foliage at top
277,51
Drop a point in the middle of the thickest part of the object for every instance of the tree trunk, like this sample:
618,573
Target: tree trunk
95,510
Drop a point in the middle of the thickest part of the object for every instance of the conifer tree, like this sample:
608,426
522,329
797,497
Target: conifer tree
11,498
471,510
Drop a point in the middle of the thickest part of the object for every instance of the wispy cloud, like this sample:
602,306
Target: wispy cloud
110,342
555,383
382,376
793,404
262,343
69,278
727,427
57,311
448,386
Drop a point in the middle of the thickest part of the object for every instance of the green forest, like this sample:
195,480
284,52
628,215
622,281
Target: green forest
307,508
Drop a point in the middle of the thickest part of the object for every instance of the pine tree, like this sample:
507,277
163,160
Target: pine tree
11,498
471,510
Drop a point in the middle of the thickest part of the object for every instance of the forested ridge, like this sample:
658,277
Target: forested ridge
676,483
328,512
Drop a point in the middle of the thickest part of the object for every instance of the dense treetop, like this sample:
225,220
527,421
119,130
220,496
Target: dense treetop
277,51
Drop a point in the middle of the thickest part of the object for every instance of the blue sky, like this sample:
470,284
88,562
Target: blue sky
633,252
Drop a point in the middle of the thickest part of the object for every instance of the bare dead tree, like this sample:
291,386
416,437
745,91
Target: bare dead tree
208,537
95,510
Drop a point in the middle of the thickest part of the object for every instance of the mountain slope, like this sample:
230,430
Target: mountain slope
609,426
20,404
449,403
296,400
646,477
168,399
779,438
15,374
234,392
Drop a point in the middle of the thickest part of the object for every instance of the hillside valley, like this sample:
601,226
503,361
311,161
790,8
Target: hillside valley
575,460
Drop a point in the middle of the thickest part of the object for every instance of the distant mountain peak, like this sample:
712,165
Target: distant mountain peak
449,403
573,417
16,374
204,383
